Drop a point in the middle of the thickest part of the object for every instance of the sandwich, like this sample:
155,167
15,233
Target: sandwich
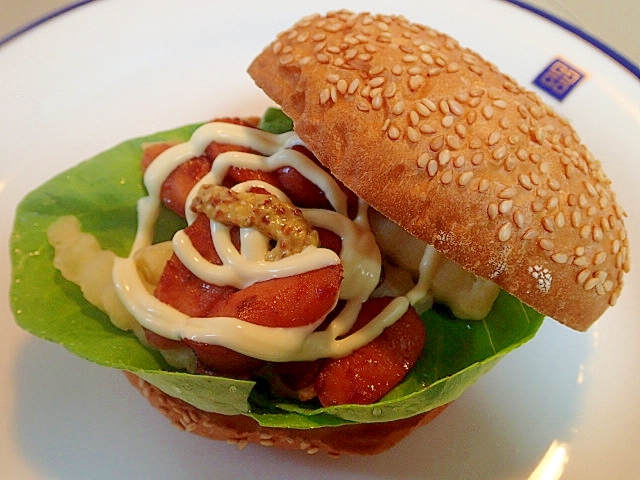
332,275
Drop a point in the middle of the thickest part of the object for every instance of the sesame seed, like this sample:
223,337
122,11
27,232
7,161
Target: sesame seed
615,246
393,133
398,108
461,130
443,105
504,233
510,163
494,138
507,193
581,261
477,69
500,152
427,59
353,86
422,109
286,59
437,143
599,258
525,181
390,89
427,129
484,185
455,107
591,283
548,224
396,69
415,82
430,104
446,177
342,86
351,54
459,161
505,206
432,166
325,95
585,232
304,445
414,118
363,106
474,102
537,206
535,178
444,157
546,244
453,141
413,134
493,210
519,219
376,102
453,67
447,121
583,275
373,92
409,58
559,258
333,27
530,234
597,234
422,162
477,158
487,112
465,178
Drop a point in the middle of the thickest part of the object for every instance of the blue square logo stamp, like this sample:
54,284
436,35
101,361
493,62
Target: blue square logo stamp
559,78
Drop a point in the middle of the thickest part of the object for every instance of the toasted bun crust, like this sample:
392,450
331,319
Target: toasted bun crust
478,166
361,439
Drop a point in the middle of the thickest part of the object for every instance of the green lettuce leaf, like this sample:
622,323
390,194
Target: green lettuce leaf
102,192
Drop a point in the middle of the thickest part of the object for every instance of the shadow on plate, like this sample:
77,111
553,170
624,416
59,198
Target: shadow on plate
76,420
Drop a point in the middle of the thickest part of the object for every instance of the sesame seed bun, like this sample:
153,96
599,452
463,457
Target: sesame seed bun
477,165
240,430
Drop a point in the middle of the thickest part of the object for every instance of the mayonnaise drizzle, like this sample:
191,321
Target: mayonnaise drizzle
360,255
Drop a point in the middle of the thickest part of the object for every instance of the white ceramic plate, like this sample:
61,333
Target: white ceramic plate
108,71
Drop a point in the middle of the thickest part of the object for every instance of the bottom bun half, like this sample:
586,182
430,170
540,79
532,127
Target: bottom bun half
359,439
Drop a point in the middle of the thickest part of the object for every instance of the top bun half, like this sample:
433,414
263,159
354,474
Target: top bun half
442,143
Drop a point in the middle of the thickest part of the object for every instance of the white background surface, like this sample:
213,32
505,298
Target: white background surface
63,418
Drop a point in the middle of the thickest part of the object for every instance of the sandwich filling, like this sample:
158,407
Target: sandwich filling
339,248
